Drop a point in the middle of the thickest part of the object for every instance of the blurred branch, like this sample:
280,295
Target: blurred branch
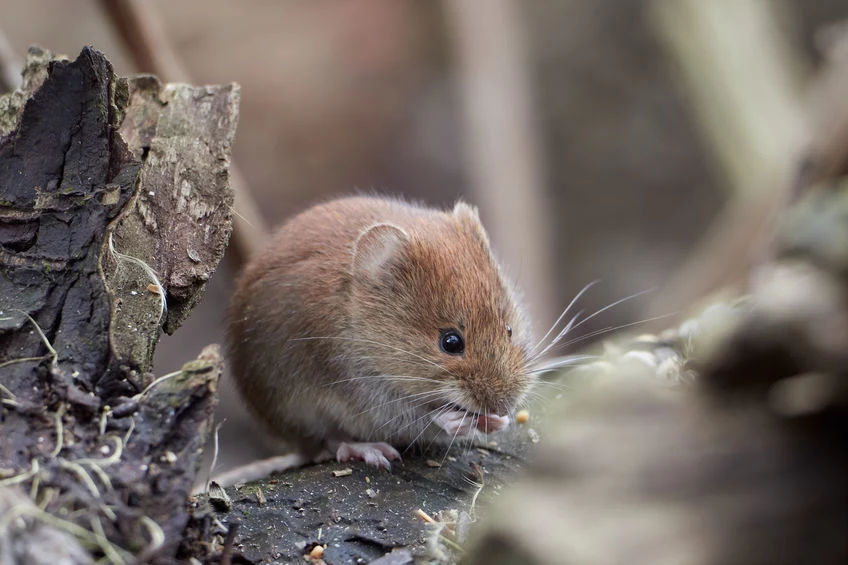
144,38
743,78
10,66
826,153
502,140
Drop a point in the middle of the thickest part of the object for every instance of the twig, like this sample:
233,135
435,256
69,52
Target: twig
5,390
229,541
90,537
156,383
54,356
144,38
148,270
262,468
10,66
826,154
214,462
21,477
60,430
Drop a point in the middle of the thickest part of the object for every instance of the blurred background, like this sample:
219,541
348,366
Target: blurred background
570,123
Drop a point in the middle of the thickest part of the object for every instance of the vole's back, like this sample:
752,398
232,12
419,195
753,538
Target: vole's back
298,286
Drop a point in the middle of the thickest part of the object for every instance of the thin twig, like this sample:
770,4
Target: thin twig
54,356
10,66
229,541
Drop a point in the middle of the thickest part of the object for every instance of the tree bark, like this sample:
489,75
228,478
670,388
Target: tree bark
114,200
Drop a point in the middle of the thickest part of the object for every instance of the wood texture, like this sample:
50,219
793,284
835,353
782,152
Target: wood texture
87,158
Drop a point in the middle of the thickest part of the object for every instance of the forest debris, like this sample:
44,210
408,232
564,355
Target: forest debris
317,552
219,498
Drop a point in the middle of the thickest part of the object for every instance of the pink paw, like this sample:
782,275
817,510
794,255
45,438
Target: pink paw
374,454
492,423
456,422
459,422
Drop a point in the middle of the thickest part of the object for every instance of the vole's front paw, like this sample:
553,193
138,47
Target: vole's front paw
460,422
374,454
492,423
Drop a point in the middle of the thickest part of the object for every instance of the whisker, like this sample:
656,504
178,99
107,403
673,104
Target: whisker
609,329
417,395
564,312
441,410
568,327
456,433
373,342
551,384
537,396
414,362
560,362
418,404
400,378
614,304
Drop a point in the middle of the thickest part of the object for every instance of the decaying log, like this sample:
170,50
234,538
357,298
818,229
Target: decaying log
362,514
114,201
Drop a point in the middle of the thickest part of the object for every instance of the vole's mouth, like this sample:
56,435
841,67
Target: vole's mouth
457,420
458,408
472,413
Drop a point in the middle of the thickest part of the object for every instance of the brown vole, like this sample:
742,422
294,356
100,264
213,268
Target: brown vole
370,323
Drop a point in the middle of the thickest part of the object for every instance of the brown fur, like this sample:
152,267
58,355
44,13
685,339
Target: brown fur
357,289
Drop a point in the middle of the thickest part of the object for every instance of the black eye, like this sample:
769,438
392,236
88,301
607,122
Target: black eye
508,330
451,342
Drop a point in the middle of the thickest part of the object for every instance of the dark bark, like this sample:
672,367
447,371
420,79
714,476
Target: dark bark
87,158
368,513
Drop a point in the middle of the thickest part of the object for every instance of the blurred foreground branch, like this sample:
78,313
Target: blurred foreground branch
748,465
744,79
10,67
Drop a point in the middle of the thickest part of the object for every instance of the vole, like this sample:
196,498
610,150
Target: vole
370,324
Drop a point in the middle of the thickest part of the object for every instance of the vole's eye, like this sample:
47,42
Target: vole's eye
451,342
508,330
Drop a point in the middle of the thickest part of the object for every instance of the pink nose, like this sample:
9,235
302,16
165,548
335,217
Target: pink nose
492,423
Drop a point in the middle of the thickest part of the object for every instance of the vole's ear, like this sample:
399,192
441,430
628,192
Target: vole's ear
376,247
469,218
